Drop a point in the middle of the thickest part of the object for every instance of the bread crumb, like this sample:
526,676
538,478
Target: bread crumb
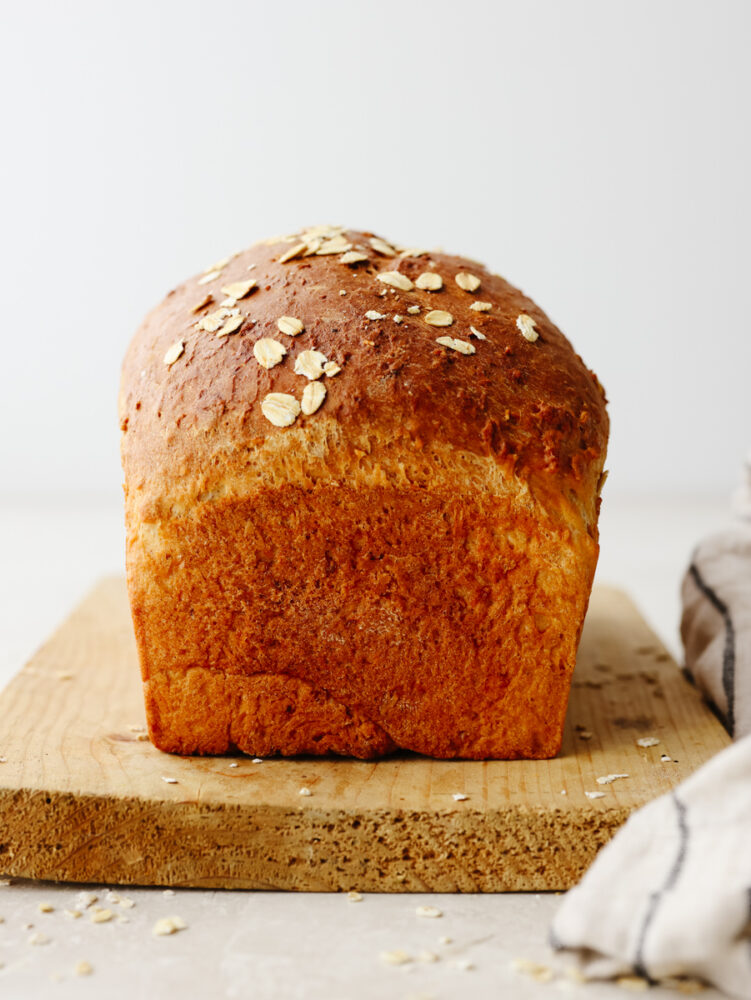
305,792
83,968
337,244
354,896
173,352
413,252
170,781
85,899
352,257
293,252
439,317
427,956
429,281
46,908
168,925
397,318
168,893
202,303
585,734
445,939
428,911
462,346
209,277
268,352
382,247
564,792
310,364
395,279
213,321
280,409
634,983
312,246
608,779
459,797
647,741
64,675
72,914
413,310
462,963
218,266
234,764
683,984
665,759
39,938
536,970
526,326
230,326
396,957
126,903
595,795
373,314
239,289
467,282
313,396
257,760
101,915
290,326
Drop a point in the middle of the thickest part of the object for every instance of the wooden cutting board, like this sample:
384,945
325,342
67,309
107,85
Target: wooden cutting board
82,798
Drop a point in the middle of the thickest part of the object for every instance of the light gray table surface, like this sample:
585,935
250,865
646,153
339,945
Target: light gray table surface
276,945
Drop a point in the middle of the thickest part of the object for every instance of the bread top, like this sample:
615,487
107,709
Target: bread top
506,385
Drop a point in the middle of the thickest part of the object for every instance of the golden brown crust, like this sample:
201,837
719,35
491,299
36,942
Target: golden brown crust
407,566
534,405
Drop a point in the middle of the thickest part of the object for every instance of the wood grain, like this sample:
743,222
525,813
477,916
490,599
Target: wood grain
83,799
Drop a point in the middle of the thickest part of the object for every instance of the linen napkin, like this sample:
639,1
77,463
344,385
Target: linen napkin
670,895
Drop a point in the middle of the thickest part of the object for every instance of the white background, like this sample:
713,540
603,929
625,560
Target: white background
595,153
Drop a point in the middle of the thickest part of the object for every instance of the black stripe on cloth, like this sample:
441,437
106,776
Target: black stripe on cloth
656,897
728,652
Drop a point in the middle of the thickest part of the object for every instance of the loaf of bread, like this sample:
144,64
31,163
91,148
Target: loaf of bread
361,492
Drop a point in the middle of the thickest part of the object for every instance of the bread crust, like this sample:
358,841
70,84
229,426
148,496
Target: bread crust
408,566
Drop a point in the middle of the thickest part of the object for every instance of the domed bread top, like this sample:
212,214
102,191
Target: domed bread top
408,344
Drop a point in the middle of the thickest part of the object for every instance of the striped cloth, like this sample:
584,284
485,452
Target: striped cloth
670,895
716,625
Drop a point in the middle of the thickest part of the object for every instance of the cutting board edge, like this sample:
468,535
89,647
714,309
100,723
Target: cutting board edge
252,846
